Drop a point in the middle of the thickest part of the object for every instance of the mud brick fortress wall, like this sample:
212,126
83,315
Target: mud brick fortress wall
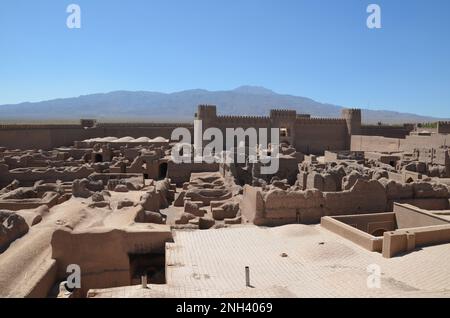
40,136
387,131
50,136
409,143
443,127
306,134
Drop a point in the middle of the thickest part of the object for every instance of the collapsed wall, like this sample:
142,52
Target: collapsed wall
104,253
46,174
278,207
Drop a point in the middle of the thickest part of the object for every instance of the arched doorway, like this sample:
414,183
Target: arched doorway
144,169
379,232
162,171
98,157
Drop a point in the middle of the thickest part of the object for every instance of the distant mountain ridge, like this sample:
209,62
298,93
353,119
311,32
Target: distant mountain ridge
181,106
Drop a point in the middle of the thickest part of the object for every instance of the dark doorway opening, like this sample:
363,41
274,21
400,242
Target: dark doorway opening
151,264
98,157
162,171
392,163
379,232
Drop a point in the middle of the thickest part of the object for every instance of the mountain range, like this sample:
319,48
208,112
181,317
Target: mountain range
181,106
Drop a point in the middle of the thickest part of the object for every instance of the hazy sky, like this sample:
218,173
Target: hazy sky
318,49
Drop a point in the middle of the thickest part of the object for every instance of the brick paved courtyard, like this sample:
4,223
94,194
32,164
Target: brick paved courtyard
289,261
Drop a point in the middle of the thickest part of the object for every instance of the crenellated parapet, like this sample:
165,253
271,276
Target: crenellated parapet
284,113
38,126
143,125
443,127
205,112
353,118
320,121
248,120
351,111
88,123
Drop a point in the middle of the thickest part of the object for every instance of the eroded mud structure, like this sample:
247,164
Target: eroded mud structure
110,199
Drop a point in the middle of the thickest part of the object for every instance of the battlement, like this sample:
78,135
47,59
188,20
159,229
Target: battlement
352,117
143,125
357,110
319,121
88,123
351,114
244,119
283,113
443,127
206,111
38,126
206,106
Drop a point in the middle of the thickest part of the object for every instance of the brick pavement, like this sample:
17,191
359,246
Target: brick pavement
317,263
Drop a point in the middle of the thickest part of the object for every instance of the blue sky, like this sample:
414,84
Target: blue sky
318,49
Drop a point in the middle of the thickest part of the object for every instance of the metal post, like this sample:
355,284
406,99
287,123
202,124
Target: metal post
247,276
144,281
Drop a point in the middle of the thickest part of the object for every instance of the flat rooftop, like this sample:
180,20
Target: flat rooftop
289,261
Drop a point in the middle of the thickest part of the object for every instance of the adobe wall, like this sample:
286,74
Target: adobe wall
411,142
45,282
409,216
307,135
244,122
67,136
385,131
369,223
310,135
375,143
51,136
25,204
180,173
315,135
252,205
443,127
102,254
433,141
39,136
277,207
419,230
357,236
28,176
401,241
436,156
332,156
136,130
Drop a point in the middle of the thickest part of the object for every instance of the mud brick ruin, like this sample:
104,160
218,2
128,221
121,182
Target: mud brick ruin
109,198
